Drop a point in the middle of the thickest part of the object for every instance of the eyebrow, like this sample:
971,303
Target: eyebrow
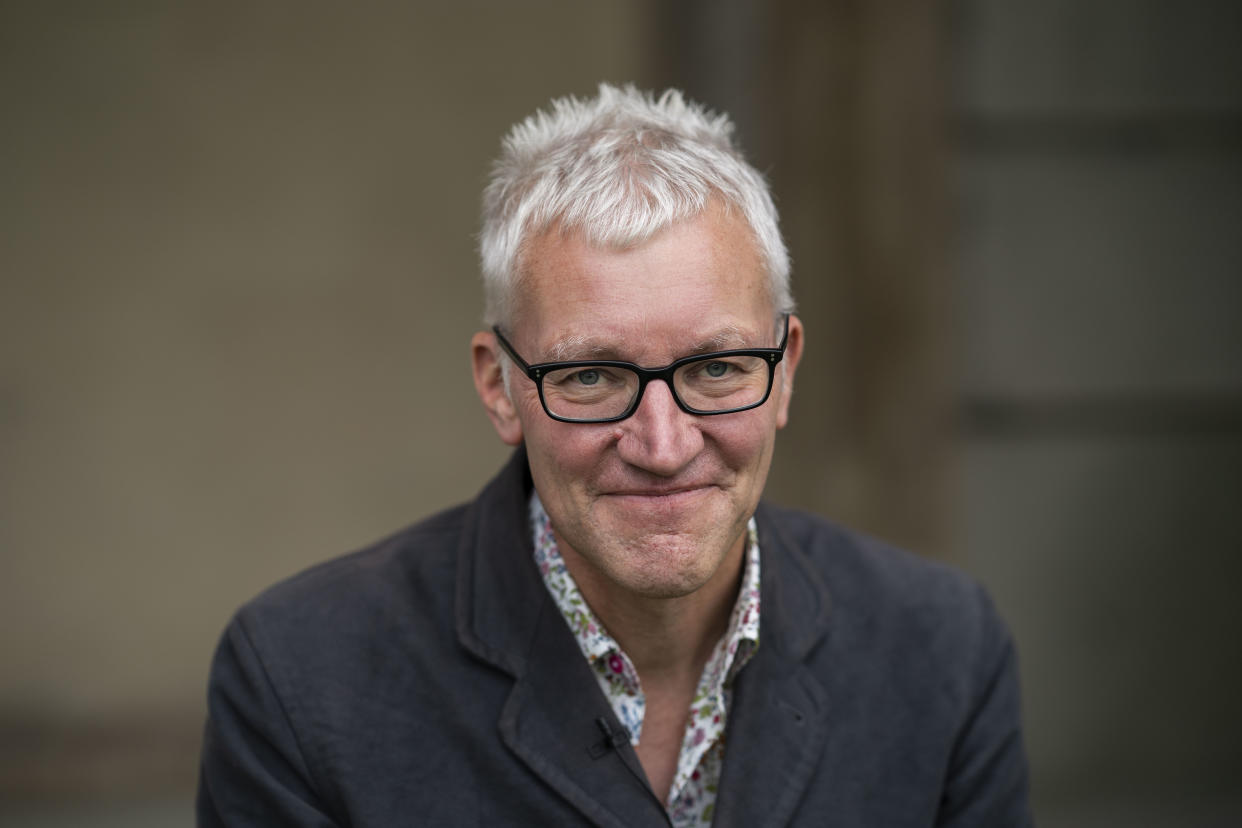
581,346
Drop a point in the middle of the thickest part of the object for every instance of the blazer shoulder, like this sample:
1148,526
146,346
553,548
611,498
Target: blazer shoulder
411,568
882,585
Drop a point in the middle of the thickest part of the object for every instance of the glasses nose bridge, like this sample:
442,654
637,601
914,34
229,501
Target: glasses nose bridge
647,375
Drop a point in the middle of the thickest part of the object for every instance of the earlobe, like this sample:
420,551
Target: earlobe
788,366
490,385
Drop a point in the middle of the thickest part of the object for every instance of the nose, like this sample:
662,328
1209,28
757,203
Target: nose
659,437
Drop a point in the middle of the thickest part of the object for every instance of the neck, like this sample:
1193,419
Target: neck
667,639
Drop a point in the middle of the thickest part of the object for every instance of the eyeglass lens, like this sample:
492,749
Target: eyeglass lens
715,383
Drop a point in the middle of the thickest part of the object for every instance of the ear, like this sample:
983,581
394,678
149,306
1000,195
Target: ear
787,368
489,382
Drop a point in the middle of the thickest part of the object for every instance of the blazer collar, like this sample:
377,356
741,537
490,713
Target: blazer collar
499,591
778,722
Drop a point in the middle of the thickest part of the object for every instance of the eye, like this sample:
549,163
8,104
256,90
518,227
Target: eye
588,376
716,369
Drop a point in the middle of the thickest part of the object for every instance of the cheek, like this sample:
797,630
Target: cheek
744,442
562,451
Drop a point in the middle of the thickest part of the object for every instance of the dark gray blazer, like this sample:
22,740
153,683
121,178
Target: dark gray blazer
430,680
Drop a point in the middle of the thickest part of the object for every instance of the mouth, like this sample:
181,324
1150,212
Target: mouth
671,495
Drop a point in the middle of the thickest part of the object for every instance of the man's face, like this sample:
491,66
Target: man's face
657,503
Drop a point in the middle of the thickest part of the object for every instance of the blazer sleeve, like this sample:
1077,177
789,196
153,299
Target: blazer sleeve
253,770
987,782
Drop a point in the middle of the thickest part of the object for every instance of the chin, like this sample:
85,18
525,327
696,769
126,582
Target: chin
663,566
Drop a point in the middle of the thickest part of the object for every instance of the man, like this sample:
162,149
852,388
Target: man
617,631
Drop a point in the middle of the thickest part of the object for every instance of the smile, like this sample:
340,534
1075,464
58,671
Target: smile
670,496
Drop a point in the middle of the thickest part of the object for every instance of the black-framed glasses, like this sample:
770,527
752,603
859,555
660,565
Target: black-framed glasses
604,391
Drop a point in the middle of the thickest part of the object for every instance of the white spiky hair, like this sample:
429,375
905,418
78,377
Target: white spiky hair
618,168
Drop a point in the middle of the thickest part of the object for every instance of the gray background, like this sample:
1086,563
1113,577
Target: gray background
237,282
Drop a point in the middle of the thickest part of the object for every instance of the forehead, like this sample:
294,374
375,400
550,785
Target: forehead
697,281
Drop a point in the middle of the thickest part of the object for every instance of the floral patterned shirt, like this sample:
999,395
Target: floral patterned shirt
692,798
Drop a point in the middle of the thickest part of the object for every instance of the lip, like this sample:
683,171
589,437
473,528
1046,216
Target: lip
661,495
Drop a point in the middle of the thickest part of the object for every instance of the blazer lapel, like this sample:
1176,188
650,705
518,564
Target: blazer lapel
506,617
778,723
551,723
